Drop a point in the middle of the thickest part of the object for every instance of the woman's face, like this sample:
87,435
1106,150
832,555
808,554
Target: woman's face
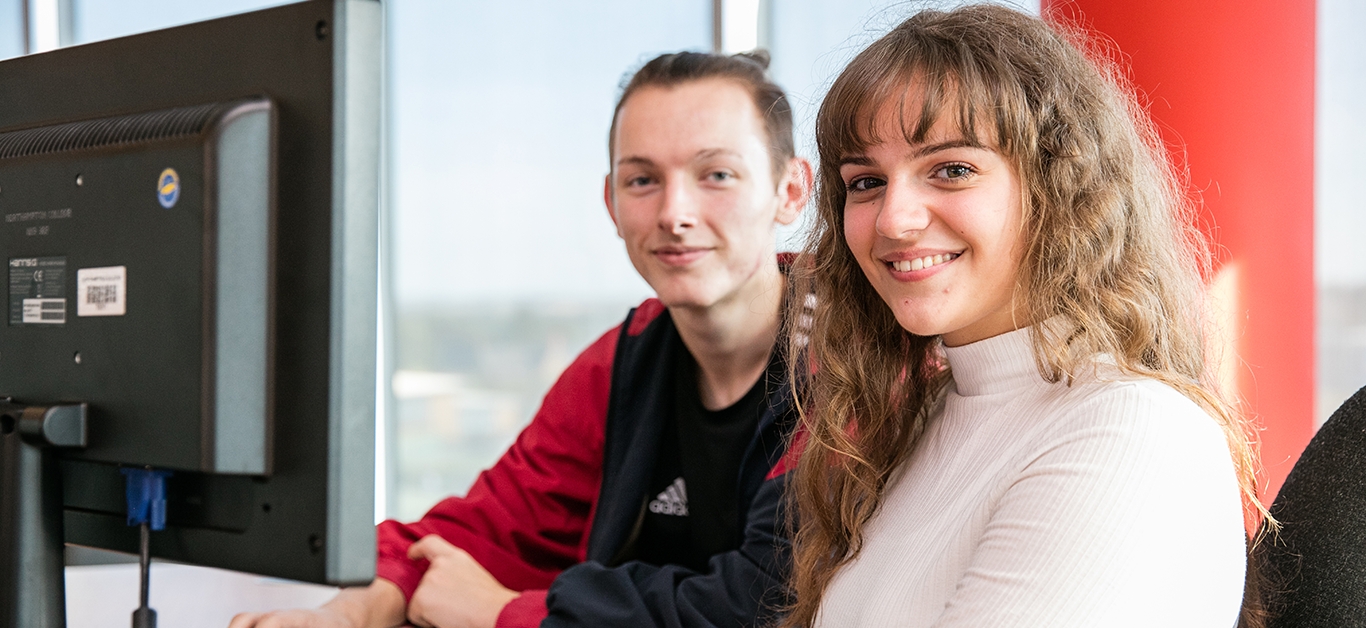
936,228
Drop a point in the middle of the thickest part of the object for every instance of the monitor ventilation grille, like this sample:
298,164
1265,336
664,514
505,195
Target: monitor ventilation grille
107,132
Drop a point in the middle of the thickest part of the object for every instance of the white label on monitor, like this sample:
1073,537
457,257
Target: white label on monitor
45,311
102,291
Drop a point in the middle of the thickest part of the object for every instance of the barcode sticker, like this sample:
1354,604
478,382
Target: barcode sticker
102,291
100,296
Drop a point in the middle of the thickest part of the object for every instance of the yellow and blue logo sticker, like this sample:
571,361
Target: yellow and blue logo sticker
168,188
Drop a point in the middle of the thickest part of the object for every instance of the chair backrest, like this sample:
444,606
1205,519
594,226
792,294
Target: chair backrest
1315,570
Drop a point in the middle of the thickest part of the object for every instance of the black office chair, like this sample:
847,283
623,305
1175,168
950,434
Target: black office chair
1314,573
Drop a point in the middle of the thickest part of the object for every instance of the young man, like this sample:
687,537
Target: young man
644,492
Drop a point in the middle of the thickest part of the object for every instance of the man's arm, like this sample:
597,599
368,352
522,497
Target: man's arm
379,605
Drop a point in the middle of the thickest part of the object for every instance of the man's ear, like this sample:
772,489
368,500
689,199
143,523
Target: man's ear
607,199
794,190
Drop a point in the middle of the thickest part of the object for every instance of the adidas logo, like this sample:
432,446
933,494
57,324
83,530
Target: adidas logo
673,501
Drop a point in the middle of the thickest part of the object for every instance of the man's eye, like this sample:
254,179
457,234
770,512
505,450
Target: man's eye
863,184
632,182
720,175
954,171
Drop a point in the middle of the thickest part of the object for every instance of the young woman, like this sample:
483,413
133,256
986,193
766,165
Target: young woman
1011,421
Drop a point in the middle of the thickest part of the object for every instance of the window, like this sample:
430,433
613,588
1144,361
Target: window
11,29
1340,209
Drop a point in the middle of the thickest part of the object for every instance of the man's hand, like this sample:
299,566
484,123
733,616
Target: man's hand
456,592
379,605
298,618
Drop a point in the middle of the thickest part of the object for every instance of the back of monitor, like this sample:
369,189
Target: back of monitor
190,237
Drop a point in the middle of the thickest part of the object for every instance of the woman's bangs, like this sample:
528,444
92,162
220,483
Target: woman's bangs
942,92
920,92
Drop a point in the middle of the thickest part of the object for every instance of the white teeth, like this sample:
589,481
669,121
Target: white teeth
921,263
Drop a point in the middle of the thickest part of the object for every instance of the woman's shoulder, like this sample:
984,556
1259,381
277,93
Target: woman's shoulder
1144,436
1125,407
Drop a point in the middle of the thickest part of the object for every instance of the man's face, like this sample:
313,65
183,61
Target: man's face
692,191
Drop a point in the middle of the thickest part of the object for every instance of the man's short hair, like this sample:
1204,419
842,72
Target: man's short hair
747,69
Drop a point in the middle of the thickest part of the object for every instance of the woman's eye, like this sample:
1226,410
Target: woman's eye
863,184
954,172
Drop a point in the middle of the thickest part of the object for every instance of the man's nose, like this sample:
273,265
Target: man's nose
680,209
904,211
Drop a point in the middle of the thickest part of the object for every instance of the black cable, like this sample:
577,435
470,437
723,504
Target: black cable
144,616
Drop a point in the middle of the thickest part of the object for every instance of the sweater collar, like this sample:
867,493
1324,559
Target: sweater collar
995,365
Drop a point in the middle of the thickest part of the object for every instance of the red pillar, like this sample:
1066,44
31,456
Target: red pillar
1231,85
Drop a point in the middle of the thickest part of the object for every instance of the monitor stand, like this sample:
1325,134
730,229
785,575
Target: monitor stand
32,585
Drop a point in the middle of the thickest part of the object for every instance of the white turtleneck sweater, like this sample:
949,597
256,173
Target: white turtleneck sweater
1112,502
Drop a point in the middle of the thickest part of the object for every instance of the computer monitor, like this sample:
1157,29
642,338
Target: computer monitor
190,239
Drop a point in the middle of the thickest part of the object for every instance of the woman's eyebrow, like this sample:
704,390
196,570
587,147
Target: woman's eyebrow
927,149
919,151
855,160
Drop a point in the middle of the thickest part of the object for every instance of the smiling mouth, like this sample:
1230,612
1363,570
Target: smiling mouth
921,263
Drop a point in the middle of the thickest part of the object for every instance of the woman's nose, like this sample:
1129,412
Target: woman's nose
904,210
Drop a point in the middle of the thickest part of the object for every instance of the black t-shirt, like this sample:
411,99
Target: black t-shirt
692,509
